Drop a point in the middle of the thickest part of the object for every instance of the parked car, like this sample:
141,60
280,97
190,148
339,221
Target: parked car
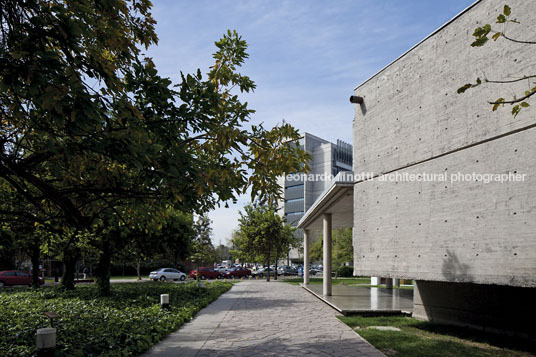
286,270
15,277
237,272
206,273
167,274
262,272
222,270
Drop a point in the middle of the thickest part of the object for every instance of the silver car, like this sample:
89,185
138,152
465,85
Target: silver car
167,274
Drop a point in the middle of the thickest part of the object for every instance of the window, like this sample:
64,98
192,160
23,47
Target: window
294,200
294,213
23,274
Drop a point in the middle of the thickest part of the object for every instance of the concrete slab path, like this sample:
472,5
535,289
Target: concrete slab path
257,318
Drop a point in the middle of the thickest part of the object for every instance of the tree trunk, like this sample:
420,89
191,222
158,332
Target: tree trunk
69,261
268,268
35,265
275,266
138,269
102,271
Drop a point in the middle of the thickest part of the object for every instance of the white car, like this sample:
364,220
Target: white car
167,274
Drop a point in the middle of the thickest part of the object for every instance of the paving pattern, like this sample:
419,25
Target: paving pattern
257,318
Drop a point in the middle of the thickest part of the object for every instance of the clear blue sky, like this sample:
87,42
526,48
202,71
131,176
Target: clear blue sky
306,56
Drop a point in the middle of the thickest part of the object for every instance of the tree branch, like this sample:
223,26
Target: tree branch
510,81
515,100
518,41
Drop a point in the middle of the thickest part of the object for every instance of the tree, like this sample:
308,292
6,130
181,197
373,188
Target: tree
89,130
222,253
342,252
202,248
262,233
481,38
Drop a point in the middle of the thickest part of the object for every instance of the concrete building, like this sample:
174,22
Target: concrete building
328,159
468,241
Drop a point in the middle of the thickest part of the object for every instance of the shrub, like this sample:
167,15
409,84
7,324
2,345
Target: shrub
128,322
345,271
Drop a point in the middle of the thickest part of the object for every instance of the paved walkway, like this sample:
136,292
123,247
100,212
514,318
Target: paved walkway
257,318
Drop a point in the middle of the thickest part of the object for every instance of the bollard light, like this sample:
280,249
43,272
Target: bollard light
45,338
164,301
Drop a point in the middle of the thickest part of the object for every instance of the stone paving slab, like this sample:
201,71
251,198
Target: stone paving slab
259,318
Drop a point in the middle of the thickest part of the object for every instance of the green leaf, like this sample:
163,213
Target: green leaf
464,88
507,11
497,103
515,110
496,36
525,104
479,42
501,19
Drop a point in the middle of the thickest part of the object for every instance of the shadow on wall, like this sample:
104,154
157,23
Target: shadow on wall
363,108
454,270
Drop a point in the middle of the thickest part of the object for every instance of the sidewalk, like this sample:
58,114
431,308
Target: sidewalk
257,318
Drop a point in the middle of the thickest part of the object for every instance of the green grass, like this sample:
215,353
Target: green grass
345,281
128,322
419,338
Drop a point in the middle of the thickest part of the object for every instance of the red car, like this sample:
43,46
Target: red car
206,273
15,277
237,272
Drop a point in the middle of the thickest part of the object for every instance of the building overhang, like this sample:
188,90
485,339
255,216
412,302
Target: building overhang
337,199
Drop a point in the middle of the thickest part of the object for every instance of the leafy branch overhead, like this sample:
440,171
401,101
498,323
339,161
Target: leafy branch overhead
481,38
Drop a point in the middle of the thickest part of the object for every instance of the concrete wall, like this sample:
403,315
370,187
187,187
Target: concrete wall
412,120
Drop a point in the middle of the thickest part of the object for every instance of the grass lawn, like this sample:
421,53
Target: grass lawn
345,281
127,323
418,338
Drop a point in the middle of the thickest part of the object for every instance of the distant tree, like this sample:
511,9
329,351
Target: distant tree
342,251
202,250
481,38
263,233
222,253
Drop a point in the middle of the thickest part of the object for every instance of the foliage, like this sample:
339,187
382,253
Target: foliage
203,251
342,251
345,271
94,140
128,322
419,338
262,235
481,38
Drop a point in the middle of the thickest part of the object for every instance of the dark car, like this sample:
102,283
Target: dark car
206,273
15,277
287,270
237,272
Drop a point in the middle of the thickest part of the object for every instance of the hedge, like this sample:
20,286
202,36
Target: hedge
128,322
345,271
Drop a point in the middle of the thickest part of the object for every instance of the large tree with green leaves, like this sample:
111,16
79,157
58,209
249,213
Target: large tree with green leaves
88,127
500,31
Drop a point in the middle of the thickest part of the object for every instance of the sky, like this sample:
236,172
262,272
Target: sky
306,56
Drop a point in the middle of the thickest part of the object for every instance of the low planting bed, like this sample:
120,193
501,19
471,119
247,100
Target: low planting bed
128,322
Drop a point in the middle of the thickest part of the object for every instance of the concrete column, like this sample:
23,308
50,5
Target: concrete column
306,245
388,283
327,253
375,280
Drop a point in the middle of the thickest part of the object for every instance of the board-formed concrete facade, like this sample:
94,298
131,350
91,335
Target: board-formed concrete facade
413,121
